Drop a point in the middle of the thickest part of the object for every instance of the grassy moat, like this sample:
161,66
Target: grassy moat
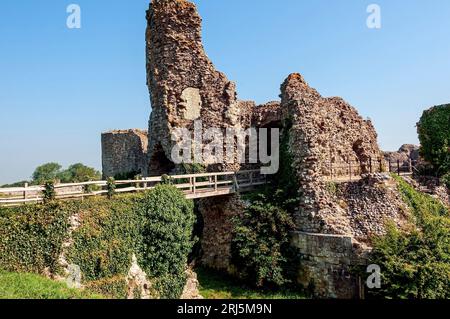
213,285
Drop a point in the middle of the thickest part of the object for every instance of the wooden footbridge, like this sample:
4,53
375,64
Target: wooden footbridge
194,186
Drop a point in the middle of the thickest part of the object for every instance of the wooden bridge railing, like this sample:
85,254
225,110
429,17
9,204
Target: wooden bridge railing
352,170
193,185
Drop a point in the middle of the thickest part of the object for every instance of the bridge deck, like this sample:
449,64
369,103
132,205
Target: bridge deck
194,186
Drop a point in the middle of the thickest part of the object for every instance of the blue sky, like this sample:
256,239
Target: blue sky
60,88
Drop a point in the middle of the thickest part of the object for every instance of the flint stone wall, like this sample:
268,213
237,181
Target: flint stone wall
326,264
183,83
323,130
124,152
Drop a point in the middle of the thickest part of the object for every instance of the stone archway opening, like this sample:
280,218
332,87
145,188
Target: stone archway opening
159,164
361,156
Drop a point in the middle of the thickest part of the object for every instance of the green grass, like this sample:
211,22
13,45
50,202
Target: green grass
30,286
215,285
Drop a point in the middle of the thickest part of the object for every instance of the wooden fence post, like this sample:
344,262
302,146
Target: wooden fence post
215,183
398,167
194,184
25,191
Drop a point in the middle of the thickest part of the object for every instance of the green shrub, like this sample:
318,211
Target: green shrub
434,135
49,192
126,176
167,238
416,263
261,243
111,187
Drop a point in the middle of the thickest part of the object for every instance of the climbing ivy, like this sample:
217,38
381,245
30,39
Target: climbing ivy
261,247
31,237
415,263
156,226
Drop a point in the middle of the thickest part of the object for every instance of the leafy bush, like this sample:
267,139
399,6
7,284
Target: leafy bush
114,287
434,135
49,192
126,176
261,243
416,264
167,238
111,187
104,243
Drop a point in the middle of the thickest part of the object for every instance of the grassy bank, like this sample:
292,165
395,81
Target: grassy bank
31,286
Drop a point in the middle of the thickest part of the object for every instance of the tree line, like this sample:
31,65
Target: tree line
76,173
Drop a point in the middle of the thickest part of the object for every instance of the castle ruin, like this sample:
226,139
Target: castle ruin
332,228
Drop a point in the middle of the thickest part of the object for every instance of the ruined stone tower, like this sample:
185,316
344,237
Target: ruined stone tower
184,85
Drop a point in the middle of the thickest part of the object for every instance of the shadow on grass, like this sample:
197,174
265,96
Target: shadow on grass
217,285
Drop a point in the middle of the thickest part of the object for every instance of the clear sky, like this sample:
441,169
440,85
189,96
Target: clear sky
60,88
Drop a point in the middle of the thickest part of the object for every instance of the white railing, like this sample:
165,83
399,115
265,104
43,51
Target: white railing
193,185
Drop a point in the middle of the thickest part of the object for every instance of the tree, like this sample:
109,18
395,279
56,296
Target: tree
78,173
46,172
434,135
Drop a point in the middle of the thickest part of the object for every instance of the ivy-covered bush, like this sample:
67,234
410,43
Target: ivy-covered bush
156,226
415,264
434,135
105,241
167,238
31,238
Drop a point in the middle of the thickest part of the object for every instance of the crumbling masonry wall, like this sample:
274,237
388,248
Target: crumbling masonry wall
184,85
124,152
335,221
324,130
